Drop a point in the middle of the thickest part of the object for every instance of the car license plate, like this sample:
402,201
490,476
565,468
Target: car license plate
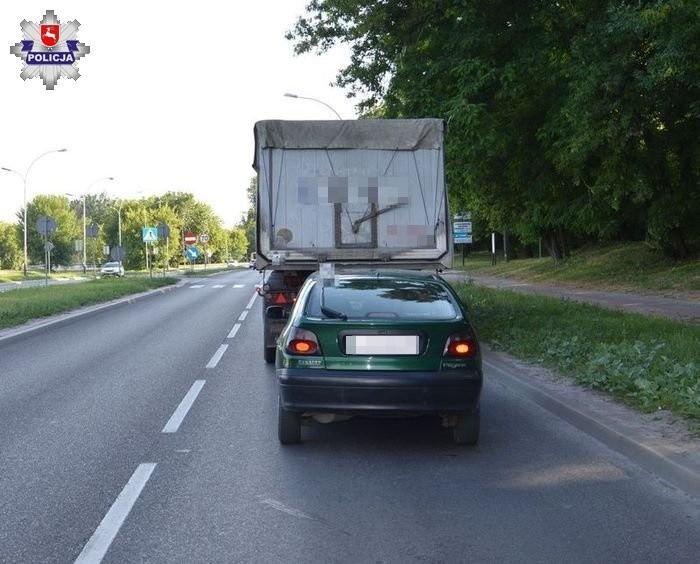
381,344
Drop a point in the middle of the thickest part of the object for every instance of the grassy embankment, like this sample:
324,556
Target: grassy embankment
648,362
20,306
630,266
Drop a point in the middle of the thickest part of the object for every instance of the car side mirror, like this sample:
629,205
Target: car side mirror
276,312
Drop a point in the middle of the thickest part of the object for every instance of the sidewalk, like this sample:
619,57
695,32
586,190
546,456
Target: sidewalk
680,309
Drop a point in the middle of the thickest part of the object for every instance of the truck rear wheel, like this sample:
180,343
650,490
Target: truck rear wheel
269,354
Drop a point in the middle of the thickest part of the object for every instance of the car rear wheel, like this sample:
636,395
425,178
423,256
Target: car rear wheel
288,425
270,353
466,432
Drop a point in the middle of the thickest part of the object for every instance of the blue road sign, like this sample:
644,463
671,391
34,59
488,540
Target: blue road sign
462,238
462,232
149,234
192,253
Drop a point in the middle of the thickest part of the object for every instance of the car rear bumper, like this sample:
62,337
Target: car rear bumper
378,393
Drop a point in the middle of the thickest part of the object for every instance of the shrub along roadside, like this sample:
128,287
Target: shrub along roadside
631,266
648,362
20,306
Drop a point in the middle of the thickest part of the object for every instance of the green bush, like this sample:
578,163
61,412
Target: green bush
647,362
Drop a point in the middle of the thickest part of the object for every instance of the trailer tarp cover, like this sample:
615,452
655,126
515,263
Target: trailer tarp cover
387,134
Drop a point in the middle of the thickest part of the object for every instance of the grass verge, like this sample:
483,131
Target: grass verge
647,362
20,306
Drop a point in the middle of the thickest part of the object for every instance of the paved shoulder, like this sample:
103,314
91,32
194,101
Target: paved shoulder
659,442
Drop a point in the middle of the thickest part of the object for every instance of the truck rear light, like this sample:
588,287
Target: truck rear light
460,346
301,341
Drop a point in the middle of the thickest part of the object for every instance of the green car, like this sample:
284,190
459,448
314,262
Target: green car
378,342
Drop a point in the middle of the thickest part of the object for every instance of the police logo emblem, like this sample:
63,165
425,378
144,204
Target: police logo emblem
50,50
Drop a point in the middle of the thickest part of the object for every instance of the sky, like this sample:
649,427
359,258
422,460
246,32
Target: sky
166,99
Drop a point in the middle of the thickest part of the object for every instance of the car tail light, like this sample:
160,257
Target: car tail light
303,342
460,346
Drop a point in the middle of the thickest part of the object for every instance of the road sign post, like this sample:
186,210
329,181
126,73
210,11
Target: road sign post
46,225
462,232
204,239
164,233
192,253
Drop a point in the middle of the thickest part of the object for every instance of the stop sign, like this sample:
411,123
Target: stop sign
190,238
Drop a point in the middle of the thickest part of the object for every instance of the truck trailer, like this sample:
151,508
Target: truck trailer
368,192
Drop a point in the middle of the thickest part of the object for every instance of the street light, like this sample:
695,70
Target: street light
288,95
24,181
119,228
84,229
84,220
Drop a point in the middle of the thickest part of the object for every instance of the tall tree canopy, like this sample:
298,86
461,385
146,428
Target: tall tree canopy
565,118
180,211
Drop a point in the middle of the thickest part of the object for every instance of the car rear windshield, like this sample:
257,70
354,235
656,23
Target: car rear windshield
111,265
381,298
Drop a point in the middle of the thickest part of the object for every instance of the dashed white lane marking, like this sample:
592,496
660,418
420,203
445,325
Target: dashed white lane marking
243,315
219,286
98,545
233,332
178,417
217,356
239,285
252,301
196,286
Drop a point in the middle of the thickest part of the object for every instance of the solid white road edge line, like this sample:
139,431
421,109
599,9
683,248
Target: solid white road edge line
217,356
98,545
243,315
233,332
252,301
176,419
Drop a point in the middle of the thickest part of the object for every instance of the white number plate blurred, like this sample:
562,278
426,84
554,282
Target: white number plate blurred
381,344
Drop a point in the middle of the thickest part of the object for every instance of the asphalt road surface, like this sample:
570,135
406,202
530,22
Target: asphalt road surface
147,433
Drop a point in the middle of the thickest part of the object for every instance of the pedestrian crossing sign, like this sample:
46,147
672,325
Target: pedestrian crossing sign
149,234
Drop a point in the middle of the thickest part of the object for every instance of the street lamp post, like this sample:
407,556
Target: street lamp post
289,95
119,229
84,230
24,181
119,225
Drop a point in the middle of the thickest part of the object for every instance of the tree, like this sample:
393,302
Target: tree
628,128
238,244
248,223
63,238
565,120
10,248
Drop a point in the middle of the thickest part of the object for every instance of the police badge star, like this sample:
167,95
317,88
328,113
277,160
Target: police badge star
50,50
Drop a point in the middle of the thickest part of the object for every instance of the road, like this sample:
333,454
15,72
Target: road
147,433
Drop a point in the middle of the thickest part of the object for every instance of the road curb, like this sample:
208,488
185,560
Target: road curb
674,469
12,333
